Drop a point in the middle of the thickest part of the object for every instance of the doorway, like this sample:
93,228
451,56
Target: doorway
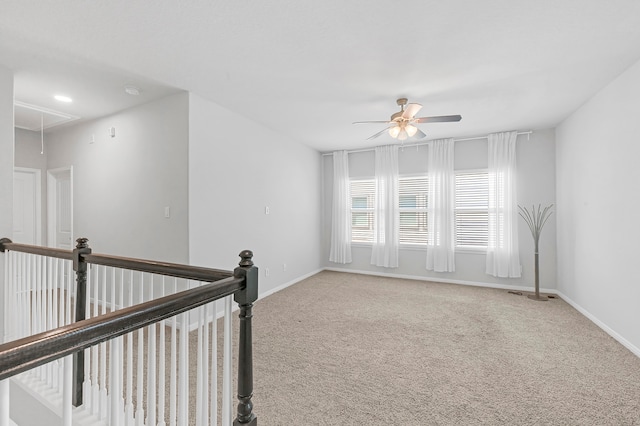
60,208
27,206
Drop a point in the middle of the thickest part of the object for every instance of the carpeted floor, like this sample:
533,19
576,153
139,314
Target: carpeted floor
347,349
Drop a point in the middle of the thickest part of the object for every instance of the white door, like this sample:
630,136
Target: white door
26,206
60,208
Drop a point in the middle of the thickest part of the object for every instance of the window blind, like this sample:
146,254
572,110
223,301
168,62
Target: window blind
471,209
362,207
413,196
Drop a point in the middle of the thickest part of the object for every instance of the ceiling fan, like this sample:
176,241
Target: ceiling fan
402,123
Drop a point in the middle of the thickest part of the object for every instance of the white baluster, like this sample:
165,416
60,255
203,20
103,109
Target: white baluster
26,277
38,294
30,297
115,367
183,371
95,350
103,352
205,365
214,366
10,299
86,385
67,388
4,402
70,282
9,291
227,387
50,326
200,363
139,370
129,398
174,366
115,381
151,367
58,317
42,309
161,367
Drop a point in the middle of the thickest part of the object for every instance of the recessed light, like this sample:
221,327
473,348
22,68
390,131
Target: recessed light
62,98
132,90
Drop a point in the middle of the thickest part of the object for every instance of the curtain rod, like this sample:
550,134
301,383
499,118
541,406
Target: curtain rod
528,132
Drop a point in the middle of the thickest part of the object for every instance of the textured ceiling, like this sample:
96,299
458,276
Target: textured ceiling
309,69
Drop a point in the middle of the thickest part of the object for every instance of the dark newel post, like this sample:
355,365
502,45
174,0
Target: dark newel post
80,266
2,243
245,299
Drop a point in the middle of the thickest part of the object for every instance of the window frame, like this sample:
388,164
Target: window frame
475,249
413,246
370,210
424,210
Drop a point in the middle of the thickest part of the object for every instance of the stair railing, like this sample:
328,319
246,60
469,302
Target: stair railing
43,288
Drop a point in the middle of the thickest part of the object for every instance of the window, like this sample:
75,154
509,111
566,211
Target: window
362,205
413,209
471,209
412,205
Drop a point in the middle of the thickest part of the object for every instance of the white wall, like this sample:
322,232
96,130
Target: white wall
6,165
237,168
28,146
123,184
536,185
598,204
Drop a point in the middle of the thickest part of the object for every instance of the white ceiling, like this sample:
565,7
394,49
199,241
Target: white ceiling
308,69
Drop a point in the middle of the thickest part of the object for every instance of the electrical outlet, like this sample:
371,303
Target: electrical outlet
266,272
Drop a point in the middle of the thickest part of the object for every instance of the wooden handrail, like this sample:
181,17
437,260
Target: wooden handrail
24,354
6,244
163,268
171,269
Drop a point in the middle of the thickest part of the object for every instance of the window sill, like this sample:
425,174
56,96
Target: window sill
469,250
461,250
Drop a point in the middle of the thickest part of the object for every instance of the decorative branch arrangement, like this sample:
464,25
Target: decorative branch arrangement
536,218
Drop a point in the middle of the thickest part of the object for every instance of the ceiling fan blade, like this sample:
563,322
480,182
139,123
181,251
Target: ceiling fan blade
411,110
378,134
367,122
438,119
419,134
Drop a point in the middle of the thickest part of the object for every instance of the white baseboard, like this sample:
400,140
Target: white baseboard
219,314
444,280
287,284
624,342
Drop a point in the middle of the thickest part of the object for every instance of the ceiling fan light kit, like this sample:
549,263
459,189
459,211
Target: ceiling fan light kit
401,125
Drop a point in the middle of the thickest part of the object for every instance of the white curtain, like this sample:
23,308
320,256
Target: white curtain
386,226
440,209
341,212
503,257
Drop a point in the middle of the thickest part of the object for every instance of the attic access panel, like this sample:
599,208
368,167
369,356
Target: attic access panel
36,118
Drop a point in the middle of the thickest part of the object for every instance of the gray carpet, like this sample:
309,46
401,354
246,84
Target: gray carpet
346,349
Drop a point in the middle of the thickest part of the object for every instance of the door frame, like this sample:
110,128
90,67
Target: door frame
37,173
52,198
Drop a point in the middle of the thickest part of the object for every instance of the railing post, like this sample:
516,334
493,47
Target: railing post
80,266
245,299
2,243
